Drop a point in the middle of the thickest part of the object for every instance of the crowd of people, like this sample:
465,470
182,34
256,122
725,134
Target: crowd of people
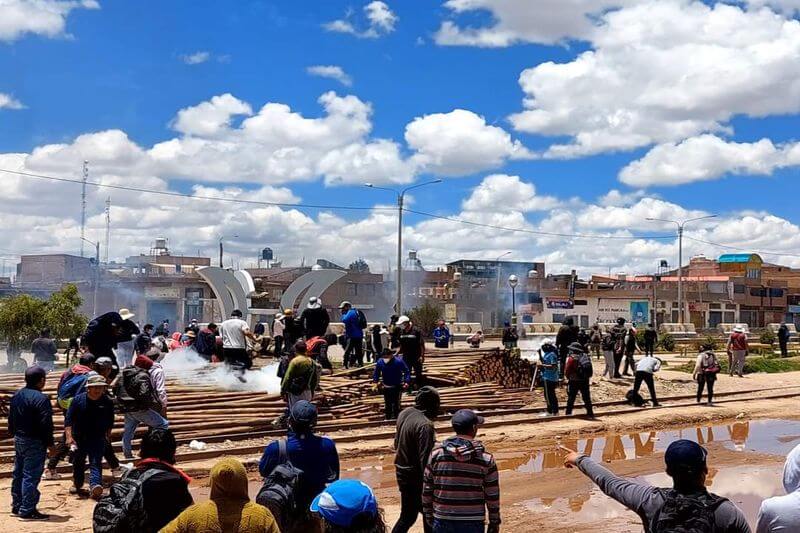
452,483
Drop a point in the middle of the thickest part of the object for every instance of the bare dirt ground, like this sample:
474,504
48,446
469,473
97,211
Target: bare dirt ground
537,493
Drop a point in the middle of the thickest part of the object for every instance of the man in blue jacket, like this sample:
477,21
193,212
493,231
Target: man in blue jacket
30,421
441,335
391,373
316,456
354,333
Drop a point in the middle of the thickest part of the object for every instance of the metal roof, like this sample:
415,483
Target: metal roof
737,258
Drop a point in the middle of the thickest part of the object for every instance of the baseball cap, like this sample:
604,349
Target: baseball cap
345,303
305,412
464,419
343,501
685,454
103,361
402,320
95,380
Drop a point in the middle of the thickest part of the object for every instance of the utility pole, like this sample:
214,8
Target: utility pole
108,227
680,225
96,273
83,202
400,201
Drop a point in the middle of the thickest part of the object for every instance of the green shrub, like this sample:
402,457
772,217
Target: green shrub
752,365
667,342
707,341
767,337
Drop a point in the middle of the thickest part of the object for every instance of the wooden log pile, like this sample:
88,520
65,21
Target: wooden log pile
504,368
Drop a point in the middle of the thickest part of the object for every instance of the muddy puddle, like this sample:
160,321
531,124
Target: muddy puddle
745,465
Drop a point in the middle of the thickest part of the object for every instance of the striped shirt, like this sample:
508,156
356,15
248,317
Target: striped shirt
461,483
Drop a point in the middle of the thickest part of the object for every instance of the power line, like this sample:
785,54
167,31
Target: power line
750,250
198,197
537,232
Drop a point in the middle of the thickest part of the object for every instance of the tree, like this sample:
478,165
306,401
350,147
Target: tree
359,265
425,316
23,316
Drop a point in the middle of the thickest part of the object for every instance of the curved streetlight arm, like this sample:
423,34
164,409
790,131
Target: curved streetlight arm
371,186
418,185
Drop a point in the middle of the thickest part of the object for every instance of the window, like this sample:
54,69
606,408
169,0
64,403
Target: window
580,302
758,291
194,305
738,289
753,273
715,306
776,293
351,289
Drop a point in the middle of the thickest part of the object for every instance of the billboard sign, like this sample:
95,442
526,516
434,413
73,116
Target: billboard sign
640,312
559,303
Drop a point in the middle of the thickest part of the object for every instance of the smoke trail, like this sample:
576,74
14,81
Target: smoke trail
529,348
191,369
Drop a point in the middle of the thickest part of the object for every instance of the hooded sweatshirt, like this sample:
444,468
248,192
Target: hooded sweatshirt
229,508
782,513
461,482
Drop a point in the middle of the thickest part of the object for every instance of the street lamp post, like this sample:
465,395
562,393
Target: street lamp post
680,225
401,195
96,273
221,250
512,281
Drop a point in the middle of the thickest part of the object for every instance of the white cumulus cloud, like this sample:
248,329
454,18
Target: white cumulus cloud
380,20
334,72
196,58
39,17
7,101
212,117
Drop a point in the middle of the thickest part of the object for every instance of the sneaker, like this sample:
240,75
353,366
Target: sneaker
14,511
97,492
656,405
35,515
544,415
75,490
52,475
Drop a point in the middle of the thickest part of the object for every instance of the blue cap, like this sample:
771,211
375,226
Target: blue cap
305,412
465,419
343,500
686,454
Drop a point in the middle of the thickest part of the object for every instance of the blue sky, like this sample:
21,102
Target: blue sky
122,66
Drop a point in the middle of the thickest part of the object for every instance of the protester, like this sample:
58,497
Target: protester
128,333
394,332
88,424
278,325
349,506
413,443
229,508
30,422
102,335
441,335
645,369
608,355
782,513
412,348
72,383
314,319
385,342
235,333
783,339
292,332
688,506
162,490
475,339
376,341
302,376
510,336
595,340
206,342
315,456
103,367
392,376
317,349
737,351
44,351
175,342
143,341
578,372
618,333
461,483
142,397
194,325
584,339
705,372
163,329
631,347
73,347
567,334
354,325
650,339
548,356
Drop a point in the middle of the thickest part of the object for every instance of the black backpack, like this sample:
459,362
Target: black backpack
280,488
683,513
608,343
205,343
134,390
634,398
122,509
362,319
585,369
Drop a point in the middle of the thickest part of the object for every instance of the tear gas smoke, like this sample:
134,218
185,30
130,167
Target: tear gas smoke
191,369
529,347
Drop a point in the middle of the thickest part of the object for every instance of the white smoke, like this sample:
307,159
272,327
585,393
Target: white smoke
189,368
529,347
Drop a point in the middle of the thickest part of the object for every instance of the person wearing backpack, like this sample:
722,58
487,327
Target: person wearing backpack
596,340
645,369
548,357
618,333
607,343
312,460
302,376
631,347
354,326
578,372
151,495
314,319
705,372
88,424
687,507
143,398
228,510
206,343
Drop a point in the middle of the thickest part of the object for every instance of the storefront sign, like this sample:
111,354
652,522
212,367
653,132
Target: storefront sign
172,293
640,312
794,308
559,303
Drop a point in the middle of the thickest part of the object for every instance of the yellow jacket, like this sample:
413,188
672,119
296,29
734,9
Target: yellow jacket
229,510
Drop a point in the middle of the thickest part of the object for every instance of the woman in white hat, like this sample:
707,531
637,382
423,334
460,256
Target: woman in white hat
128,331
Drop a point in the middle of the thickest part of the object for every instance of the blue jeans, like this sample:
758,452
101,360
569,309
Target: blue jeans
29,457
458,526
48,366
93,449
132,420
